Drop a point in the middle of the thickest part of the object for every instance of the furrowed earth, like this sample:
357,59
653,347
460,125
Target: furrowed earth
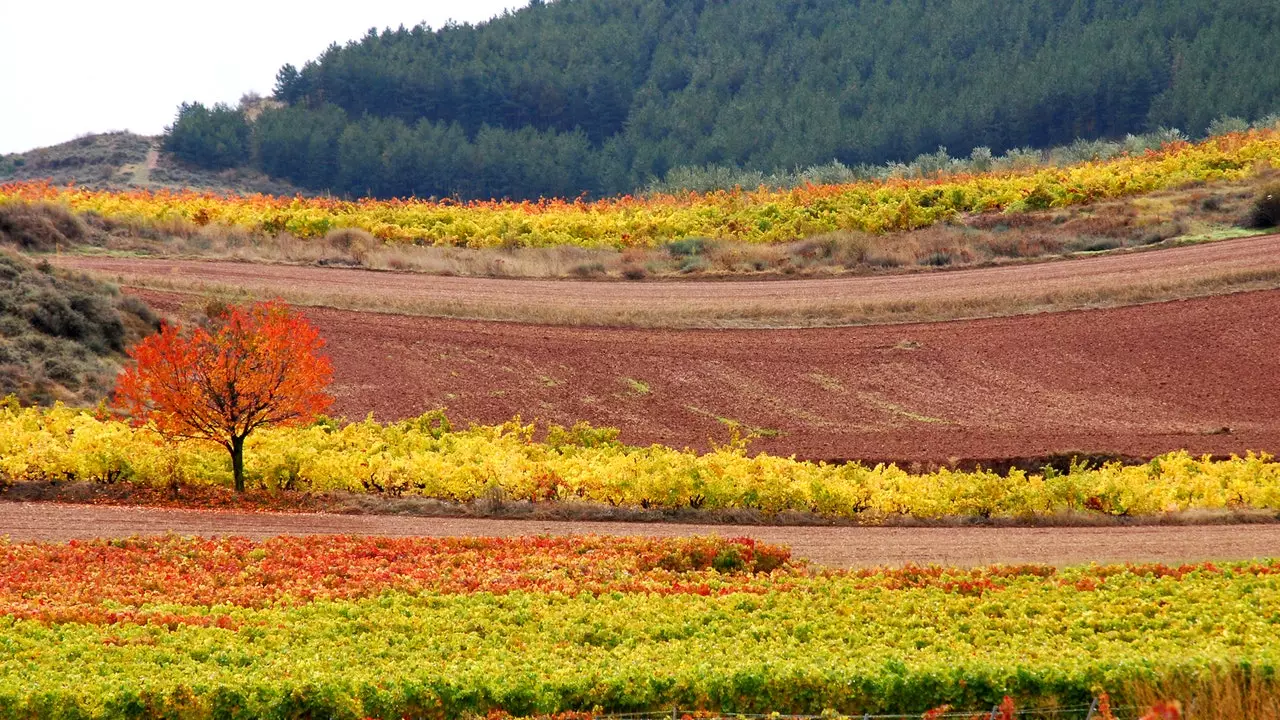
1135,381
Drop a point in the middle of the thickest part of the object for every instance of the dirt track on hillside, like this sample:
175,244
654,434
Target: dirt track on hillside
1107,280
837,547
1202,375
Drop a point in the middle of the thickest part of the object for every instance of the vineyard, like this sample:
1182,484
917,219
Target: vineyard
753,216
427,457
348,627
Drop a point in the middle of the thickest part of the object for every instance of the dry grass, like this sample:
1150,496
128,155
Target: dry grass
834,310
41,227
1225,695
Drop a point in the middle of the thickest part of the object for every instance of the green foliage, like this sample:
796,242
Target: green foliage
605,95
583,435
1226,125
892,641
210,138
688,247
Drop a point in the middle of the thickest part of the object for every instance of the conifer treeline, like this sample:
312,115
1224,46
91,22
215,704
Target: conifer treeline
600,96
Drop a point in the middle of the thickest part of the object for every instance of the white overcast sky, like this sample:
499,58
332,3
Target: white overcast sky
70,68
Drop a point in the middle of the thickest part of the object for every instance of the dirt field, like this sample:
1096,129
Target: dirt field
837,547
1197,374
1099,281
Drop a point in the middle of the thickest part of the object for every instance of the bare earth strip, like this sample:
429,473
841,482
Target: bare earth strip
836,547
1100,281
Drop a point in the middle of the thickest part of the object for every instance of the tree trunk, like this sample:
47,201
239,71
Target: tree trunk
237,462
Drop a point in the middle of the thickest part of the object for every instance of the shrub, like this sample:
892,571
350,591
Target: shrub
688,247
589,270
694,263
938,258
1161,232
131,305
634,272
583,435
1226,125
1265,212
352,241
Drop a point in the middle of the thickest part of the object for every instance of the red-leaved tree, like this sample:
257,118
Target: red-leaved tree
255,367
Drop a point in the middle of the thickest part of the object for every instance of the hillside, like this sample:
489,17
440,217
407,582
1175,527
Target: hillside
125,160
601,96
106,160
62,334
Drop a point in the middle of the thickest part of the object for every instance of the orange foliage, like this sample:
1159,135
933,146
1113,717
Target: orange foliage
106,582
1165,711
261,366
1104,707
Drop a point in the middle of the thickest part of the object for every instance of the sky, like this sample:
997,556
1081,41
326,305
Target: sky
88,66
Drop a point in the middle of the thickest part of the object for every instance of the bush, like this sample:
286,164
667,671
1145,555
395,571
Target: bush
1226,124
1265,213
353,242
589,270
634,272
694,263
688,247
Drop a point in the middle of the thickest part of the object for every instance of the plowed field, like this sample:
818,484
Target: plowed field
1197,374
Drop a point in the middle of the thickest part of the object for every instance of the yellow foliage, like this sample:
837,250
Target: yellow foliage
426,457
757,216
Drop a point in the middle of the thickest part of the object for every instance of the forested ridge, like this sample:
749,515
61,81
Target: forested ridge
600,96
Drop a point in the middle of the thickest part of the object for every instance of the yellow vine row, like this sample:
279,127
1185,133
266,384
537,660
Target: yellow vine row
426,457
756,216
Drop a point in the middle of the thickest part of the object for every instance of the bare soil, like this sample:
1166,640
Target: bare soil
836,547
1199,375
1082,282
1137,381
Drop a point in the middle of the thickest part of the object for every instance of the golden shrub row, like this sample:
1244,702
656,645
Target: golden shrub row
425,457
760,216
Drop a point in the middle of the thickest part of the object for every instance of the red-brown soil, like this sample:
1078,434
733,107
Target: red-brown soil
1202,375
840,547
